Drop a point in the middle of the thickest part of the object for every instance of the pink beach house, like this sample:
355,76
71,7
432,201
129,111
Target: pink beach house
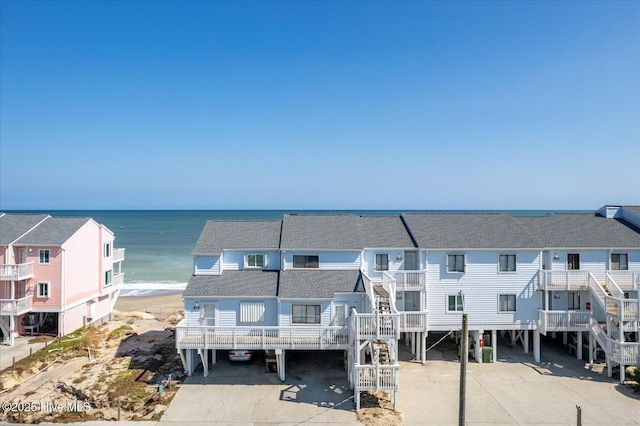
56,274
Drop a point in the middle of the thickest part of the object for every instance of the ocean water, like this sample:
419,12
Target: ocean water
158,243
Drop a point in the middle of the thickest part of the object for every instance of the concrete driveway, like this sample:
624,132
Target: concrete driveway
315,391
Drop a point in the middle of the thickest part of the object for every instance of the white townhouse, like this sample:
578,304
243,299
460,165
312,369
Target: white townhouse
360,283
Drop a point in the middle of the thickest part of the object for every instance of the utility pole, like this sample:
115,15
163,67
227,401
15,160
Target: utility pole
464,356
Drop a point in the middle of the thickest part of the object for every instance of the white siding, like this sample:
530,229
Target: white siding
328,260
482,284
207,265
234,260
228,311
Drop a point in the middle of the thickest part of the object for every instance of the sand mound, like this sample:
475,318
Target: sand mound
134,314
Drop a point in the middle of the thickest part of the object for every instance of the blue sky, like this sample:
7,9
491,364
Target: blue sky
352,105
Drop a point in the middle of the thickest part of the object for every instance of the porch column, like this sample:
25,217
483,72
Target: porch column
280,362
12,329
205,361
590,350
525,340
536,345
424,347
579,346
213,356
565,339
494,344
477,350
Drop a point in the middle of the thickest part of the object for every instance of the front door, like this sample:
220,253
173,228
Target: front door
209,314
340,314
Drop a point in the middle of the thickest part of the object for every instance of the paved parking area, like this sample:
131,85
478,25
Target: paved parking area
315,391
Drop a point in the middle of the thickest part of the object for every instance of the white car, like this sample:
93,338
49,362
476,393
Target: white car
239,355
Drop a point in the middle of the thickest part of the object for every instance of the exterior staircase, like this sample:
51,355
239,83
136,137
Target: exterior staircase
622,318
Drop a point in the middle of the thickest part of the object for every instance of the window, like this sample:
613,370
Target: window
573,261
305,314
455,263
302,261
44,256
455,303
573,301
107,250
43,289
107,277
507,303
251,312
255,260
507,263
619,262
382,262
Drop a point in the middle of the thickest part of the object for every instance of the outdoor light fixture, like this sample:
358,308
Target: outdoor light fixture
399,258
196,306
556,256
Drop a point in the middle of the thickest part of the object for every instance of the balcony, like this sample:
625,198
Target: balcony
118,255
624,309
377,326
413,321
11,307
563,280
410,280
18,272
256,338
563,320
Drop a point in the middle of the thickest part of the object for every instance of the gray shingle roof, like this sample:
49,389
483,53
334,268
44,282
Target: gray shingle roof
467,231
581,230
384,231
231,234
12,226
318,284
234,283
633,209
54,231
338,232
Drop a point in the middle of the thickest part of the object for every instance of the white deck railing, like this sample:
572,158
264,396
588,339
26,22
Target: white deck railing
563,280
118,255
410,280
206,337
413,321
15,306
377,326
564,320
626,280
623,309
625,353
376,377
18,272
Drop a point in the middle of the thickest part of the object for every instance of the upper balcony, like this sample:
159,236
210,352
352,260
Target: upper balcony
12,307
410,280
563,280
118,255
626,280
22,271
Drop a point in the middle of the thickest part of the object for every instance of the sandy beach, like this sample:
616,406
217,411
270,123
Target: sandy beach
162,305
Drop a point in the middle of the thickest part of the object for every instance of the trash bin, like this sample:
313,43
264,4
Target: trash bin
487,354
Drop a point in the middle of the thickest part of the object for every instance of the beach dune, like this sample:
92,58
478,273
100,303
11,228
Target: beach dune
158,304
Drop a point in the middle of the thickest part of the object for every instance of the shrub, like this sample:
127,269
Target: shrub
636,374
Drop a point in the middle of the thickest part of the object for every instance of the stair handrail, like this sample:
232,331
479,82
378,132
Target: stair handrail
598,290
601,336
613,287
368,287
389,284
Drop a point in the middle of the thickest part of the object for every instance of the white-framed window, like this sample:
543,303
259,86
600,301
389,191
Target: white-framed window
305,314
256,260
106,250
507,263
43,256
507,303
619,261
251,312
455,303
573,300
43,289
108,277
455,263
573,261
303,261
382,262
